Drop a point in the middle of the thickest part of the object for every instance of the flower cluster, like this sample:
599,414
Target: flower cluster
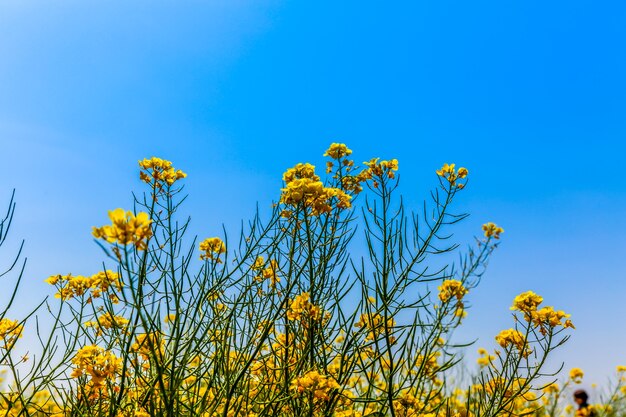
337,151
450,289
71,286
303,186
543,318
107,321
375,325
576,375
148,345
492,230
379,169
449,173
269,272
126,228
315,383
301,308
484,358
10,331
99,364
212,248
157,172
512,337
74,286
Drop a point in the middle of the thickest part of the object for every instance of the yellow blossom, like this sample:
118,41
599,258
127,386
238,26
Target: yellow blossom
526,302
337,151
449,173
301,308
159,172
10,331
303,187
492,230
97,363
126,228
512,337
315,383
212,247
576,375
107,321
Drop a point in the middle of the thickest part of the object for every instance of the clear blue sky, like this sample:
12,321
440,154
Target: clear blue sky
529,95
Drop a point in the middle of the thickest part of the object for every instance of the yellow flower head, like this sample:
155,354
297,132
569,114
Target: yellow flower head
576,375
320,386
107,321
449,173
158,172
512,337
337,151
301,308
526,302
547,317
76,285
212,248
451,288
382,168
492,230
98,363
303,187
126,228
485,359
10,331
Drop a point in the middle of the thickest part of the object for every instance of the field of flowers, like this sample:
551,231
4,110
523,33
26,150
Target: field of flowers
285,319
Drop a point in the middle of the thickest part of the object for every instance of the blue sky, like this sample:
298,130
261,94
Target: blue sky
530,96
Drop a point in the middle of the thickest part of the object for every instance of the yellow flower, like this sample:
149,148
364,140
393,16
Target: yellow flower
126,228
96,362
449,173
548,317
10,331
485,359
301,308
492,230
576,375
300,171
107,321
304,187
271,273
382,168
148,344
526,302
451,288
337,151
74,286
159,172
375,324
212,247
315,383
512,337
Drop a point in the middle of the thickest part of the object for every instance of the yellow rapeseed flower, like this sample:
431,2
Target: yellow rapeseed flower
303,187
337,151
212,248
492,230
159,172
449,173
576,375
126,228
10,331
527,302
98,363
512,337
